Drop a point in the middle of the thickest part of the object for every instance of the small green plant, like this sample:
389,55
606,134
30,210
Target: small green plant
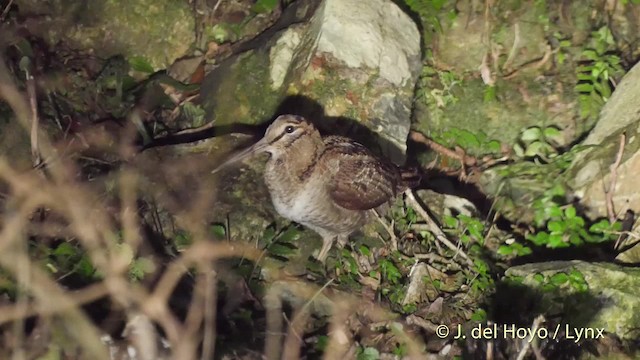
489,93
265,6
595,75
141,266
538,142
367,353
405,217
561,226
480,315
440,97
562,46
473,143
468,229
392,286
573,279
481,282
280,245
193,114
400,350
139,63
513,248
68,258
428,11
224,32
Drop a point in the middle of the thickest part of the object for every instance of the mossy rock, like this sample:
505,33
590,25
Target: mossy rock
584,295
160,31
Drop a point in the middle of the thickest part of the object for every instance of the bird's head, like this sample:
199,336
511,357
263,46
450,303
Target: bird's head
284,132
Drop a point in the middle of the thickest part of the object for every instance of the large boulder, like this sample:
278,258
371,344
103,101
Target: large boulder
354,64
591,172
585,295
160,31
509,50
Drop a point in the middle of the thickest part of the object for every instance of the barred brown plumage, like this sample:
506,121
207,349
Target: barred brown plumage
326,184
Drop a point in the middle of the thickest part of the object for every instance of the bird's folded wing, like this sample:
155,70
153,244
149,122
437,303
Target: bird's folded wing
360,181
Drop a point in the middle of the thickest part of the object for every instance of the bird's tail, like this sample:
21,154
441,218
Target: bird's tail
410,177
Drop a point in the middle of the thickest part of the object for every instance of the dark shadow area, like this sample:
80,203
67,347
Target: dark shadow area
343,126
587,252
299,105
515,306
337,125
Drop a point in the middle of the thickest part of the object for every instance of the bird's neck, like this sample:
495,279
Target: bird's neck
296,163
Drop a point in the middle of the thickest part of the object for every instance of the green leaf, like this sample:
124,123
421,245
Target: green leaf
530,134
322,342
539,278
600,227
576,275
268,234
536,148
282,250
265,6
559,278
570,212
218,231
518,150
584,88
489,94
590,54
450,222
556,227
584,77
390,271
480,315
557,190
468,139
219,33
556,241
494,146
505,250
553,211
551,132
290,235
369,354
540,238
140,267
181,240
65,249
525,250
138,63
85,268
575,239
562,57
365,250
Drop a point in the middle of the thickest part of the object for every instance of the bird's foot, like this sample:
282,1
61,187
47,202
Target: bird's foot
327,243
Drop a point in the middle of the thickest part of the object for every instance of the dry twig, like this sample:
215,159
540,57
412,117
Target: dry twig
614,178
434,228
528,341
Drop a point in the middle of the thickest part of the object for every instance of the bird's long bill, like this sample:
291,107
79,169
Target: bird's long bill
256,148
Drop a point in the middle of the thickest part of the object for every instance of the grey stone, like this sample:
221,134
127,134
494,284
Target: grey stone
357,60
610,302
160,31
590,172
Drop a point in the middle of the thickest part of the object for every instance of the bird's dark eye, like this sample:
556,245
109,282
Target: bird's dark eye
289,129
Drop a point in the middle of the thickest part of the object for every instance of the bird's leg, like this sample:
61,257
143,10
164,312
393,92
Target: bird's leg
342,240
327,242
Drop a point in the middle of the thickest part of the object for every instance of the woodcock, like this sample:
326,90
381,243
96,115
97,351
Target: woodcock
329,184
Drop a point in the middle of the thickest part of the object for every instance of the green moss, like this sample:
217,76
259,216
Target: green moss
158,30
245,96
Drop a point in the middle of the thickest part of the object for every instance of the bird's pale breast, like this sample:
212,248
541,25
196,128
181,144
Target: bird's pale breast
310,204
